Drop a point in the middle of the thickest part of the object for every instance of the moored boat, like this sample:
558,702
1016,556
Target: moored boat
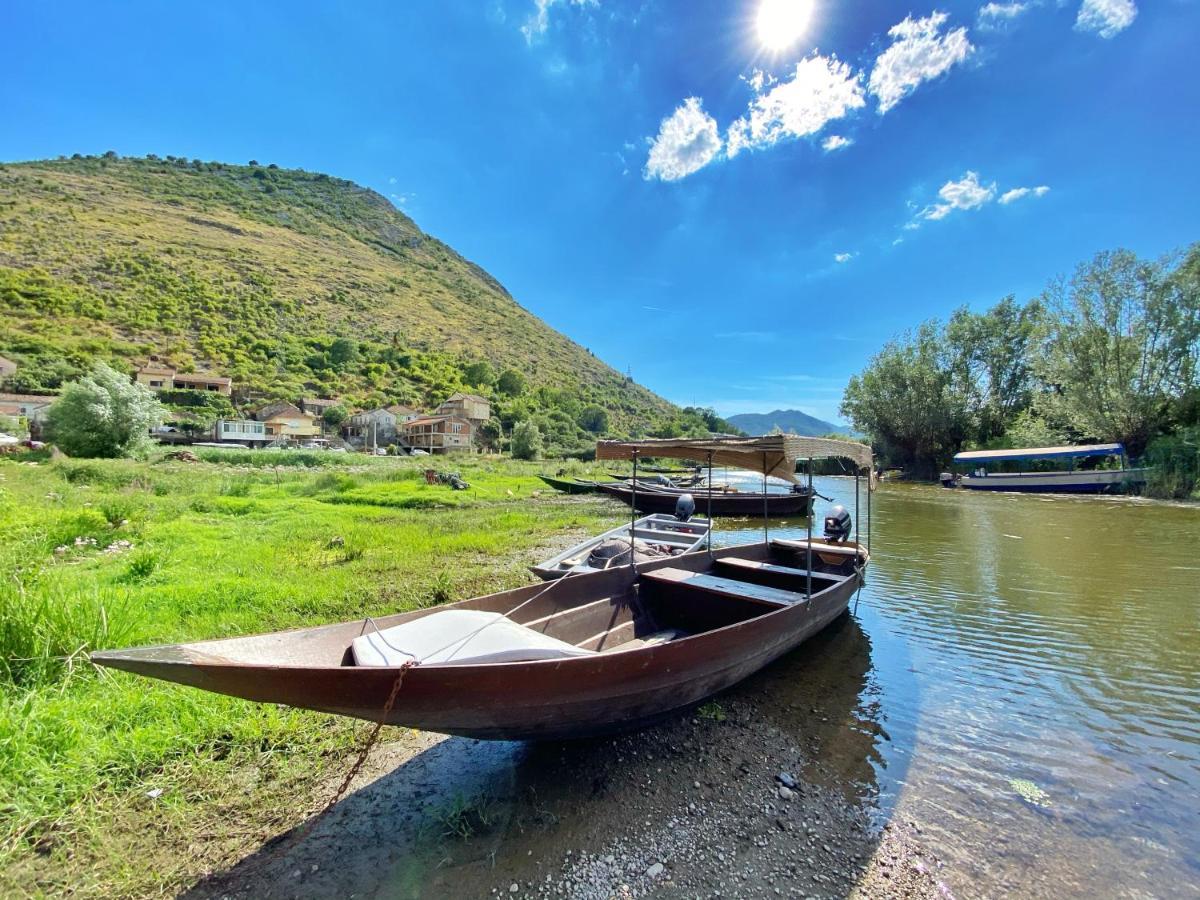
570,485
1069,481
578,656
657,535
720,503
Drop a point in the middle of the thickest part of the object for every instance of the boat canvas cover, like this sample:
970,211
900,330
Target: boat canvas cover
458,637
1076,452
771,454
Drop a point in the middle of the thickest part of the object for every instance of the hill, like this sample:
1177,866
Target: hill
256,272
790,420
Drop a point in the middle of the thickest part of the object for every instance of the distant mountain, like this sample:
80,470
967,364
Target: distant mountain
790,420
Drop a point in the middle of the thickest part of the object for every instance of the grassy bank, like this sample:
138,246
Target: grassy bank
101,554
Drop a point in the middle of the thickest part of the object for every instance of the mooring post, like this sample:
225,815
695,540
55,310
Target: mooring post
710,519
766,519
811,511
633,514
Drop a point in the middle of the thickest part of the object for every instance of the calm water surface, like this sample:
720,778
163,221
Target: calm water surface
1033,685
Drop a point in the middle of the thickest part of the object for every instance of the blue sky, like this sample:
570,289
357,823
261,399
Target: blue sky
740,217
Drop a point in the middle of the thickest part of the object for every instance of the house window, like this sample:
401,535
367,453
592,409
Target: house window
156,384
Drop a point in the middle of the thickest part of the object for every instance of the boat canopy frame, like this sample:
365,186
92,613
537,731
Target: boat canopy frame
774,455
1080,451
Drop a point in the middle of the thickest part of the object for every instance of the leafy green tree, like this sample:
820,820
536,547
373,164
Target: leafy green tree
594,419
990,358
526,441
479,373
1121,346
334,416
343,352
907,399
489,434
104,414
511,383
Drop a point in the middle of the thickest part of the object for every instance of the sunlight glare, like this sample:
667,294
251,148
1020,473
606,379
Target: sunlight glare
781,23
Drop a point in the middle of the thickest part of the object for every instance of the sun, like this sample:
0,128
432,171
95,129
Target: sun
780,23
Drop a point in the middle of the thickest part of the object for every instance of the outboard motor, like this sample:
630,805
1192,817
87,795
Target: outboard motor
837,525
685,507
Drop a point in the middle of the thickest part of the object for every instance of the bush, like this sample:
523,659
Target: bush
104,414
1174,463
526,441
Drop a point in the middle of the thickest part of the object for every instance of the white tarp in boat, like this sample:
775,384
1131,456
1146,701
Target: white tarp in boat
458,637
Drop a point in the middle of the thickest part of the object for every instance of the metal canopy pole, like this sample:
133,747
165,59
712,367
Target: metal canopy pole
710,521
633,514
856,505
808,567
766,519
870,518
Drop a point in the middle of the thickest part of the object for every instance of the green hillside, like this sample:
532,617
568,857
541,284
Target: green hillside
254,272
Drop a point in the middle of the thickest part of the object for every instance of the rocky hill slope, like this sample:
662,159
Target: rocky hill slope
256,272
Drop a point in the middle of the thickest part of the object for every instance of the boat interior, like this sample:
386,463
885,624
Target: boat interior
602,612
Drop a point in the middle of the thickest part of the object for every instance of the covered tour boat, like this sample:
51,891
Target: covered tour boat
1070,480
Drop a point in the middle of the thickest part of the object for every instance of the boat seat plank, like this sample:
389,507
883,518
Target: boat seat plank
725,587
753,565
817,547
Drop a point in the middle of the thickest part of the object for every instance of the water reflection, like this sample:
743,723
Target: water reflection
1050,642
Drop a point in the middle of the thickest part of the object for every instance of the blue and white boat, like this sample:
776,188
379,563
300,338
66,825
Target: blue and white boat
1065,481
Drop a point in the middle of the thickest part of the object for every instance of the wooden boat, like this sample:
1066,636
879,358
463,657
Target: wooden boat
637,646
1070,481
571,485
726,505
579,656
663,532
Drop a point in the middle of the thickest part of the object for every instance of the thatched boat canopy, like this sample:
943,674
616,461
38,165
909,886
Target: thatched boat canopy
770,454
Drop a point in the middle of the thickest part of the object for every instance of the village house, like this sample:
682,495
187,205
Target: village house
31,407
318,405
438,434
159,377
7,367
282,419
472,407
241,431
382,425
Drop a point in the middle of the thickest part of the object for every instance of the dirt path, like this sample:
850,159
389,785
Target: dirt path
764,792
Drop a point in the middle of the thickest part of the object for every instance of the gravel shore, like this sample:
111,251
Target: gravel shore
765,791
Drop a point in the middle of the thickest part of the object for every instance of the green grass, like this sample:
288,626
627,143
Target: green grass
114,553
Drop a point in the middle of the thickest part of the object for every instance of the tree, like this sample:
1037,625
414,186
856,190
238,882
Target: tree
511,383
104,414
479,373
526,441
489,434
594,419
334,416
990,357
908,401
1121,346
343,352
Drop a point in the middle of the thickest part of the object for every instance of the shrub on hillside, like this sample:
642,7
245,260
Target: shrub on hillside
104,414
526,441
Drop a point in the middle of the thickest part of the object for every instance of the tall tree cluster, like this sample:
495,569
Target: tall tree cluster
1111,354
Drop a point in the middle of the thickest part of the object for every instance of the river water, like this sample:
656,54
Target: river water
1033,685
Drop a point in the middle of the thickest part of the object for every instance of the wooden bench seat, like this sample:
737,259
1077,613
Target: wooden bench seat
724,587
736,563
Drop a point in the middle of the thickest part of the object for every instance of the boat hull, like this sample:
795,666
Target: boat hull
539,700
726,505
1097,481
573,486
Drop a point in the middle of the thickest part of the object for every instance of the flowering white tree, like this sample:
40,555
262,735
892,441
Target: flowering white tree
104,414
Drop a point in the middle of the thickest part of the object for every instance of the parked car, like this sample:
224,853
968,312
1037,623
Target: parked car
417,451
33,445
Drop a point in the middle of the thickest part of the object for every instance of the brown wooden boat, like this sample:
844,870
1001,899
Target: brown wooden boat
584,655
661,640
726,504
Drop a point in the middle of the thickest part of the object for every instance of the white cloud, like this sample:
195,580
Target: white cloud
1017,193
821,90
843,257
687,141
535,26
1107,18
993,15
966,193
920,51
836,142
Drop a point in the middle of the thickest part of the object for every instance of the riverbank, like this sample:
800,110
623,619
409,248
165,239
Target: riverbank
116,553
